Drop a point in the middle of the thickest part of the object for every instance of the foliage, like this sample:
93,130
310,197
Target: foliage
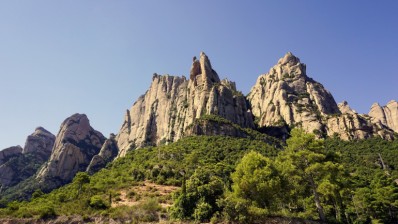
236,180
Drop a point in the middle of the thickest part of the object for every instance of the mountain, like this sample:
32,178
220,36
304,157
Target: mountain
75,146
18,164
177,107
172,103
287,96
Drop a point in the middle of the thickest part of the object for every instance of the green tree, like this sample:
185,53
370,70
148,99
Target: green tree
256,190
312,174
378,200
80,179
256,179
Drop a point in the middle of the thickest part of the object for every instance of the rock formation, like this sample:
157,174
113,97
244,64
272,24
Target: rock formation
351,125
8,153
17,164
41,141
8,157
108,152
386,115
287,96
172,103
75,145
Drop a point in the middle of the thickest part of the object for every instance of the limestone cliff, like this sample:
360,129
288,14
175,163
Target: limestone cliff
386,115
17,164
75,145
173,103
287,96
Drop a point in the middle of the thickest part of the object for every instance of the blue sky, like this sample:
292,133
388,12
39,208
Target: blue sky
58,58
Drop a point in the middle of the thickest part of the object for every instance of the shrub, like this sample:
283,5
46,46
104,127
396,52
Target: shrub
97,202
46,211
203,211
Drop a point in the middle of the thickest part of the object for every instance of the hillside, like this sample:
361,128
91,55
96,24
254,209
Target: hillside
207,173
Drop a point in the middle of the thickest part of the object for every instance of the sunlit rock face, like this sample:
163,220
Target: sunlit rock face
172,103
386,115
287,96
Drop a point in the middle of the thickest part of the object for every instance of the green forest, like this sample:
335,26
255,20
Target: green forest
239,180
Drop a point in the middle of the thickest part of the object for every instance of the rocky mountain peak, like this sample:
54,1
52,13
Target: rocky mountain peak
9,152
345,108
25,161
285,95
173,103
75,145
202,72
289,59
40,141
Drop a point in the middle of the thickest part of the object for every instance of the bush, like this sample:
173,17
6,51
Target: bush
46,211
97,202
203,211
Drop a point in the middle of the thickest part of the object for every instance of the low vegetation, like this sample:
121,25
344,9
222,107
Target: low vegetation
225,179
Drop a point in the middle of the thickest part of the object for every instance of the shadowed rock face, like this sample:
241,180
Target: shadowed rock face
17,164
287,96
75,145
173,103
108,152
8,153
8,157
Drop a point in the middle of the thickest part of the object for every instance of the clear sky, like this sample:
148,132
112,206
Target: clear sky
97,57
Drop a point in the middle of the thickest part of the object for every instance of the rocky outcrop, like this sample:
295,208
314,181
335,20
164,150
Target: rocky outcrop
386,115
17,164
75,145
108,152
211,126
351,125
41,141
8,153
286,96
173,103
